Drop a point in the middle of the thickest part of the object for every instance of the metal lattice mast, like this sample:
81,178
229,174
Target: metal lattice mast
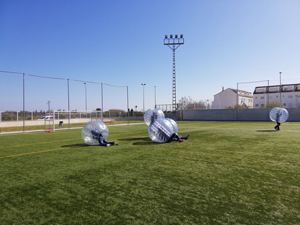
175,43
174,81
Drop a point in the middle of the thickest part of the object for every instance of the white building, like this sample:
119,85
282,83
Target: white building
287,94
230,97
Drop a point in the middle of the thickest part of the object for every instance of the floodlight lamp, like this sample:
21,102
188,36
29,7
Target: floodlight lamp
171,36
181,36
176,36
166,36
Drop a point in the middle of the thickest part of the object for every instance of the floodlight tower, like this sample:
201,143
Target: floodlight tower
175,43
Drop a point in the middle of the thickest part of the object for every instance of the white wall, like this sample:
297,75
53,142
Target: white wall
236,115
288,99
224,99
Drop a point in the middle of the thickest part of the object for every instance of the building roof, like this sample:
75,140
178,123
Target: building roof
241,93
277,88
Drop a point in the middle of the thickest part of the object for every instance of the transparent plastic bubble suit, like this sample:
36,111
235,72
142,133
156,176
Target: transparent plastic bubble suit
279,115
91,130
174,124
160,130
152,114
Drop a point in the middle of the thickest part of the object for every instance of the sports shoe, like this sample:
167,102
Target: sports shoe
107,145
115,143
187,137
181,140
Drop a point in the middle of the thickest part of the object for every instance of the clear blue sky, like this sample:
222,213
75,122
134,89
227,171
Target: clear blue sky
121,43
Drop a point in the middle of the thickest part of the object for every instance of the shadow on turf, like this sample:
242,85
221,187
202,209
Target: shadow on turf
267,130
146,141
75,145
134,139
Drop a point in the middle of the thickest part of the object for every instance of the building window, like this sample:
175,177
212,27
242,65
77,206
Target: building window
288,88
284,104
273,89
260,90
262,97
290,96
256,105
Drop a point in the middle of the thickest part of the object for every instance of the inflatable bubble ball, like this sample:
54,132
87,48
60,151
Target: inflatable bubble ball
279,115
91,131
160,130
174,124
152,114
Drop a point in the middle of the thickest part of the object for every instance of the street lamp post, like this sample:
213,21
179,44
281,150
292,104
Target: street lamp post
85,97
175,43
143,97
48,103
155,97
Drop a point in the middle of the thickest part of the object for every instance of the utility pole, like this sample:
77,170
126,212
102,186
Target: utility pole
143,97
280,86
85,97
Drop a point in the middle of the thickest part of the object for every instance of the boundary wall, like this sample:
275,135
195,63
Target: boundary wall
235,115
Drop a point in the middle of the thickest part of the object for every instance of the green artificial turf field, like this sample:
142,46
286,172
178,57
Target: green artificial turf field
226,173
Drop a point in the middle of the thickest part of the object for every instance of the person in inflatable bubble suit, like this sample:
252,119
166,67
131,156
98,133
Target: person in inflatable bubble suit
278,114
152,114
177,137
102,140
162,131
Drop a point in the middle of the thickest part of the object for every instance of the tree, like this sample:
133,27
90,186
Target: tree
117,113
273,104
187,103
98,109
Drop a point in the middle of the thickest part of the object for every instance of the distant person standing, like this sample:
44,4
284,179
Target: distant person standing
278,114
